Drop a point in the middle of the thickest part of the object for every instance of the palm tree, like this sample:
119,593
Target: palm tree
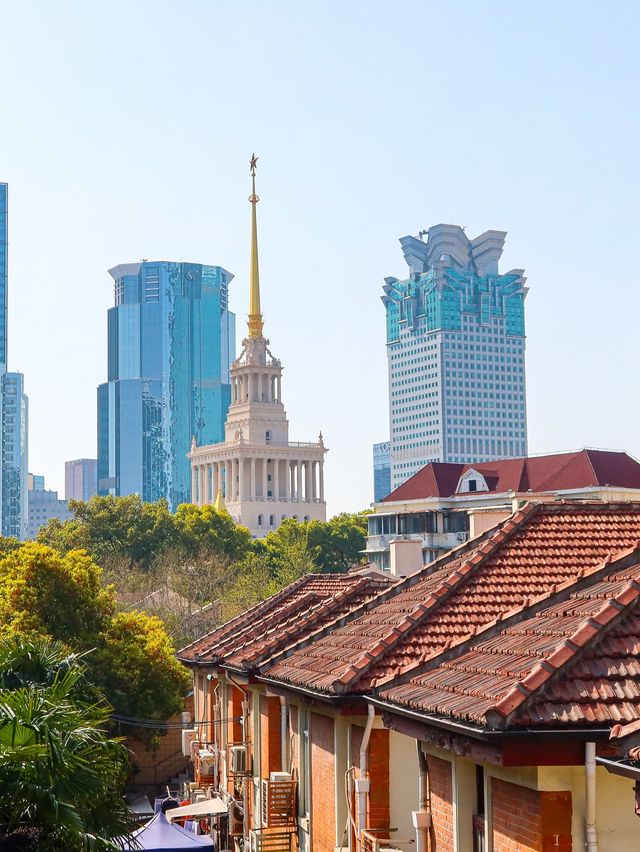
61,774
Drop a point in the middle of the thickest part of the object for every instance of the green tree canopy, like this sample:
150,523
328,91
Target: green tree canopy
204,529
60,597
61,775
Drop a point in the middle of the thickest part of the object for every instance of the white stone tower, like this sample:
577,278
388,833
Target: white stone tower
261,476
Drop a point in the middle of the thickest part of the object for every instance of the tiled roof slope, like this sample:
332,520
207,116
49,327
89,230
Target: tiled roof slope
540,546
285,617
556,472
573,662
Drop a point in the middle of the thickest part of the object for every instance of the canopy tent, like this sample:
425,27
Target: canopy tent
205,808
159,834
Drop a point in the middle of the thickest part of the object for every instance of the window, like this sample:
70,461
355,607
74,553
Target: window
259,520
473,485
267,436
272,520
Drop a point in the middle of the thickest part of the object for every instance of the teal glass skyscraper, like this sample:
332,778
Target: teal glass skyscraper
14,505
171,339
456,353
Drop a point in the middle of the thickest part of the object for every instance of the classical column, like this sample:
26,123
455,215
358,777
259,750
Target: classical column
299,481
194,483
321,477
276,479
264,479
287,479
227,479
253,479
240,478
314,494
215,480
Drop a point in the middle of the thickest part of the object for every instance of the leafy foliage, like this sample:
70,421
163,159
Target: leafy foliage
61,775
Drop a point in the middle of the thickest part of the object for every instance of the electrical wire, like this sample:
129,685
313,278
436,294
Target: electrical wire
170,726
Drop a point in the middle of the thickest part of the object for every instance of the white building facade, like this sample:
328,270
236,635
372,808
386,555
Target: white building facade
261,475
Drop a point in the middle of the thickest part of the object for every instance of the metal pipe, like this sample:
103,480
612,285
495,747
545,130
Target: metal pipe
363,785
591,835
421,818
216,745
284,735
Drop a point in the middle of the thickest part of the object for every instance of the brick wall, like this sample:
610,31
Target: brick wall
378,798
323,783
525,820
269,736
441,796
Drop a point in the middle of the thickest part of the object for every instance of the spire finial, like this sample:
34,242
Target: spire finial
255,316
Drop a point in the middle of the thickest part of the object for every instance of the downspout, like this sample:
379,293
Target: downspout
245,722
216,745
421,818
284,735
591,835
363,785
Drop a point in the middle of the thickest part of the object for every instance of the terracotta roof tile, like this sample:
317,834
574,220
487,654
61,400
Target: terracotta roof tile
573,661
531,554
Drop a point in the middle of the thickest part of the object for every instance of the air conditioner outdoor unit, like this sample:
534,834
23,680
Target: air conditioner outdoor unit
189,736
280,776
461,536
238,759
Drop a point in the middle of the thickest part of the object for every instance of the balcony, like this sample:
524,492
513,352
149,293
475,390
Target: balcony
265,840
372,841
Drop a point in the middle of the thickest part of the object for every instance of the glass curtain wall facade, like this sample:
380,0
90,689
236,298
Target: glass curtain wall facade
381,470
456,353
171,339
14,506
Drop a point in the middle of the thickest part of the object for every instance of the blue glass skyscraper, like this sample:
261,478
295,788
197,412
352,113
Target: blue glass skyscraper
171,339
456,353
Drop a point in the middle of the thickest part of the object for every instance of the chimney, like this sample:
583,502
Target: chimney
405,556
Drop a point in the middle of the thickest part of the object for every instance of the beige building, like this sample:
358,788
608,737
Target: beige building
262,476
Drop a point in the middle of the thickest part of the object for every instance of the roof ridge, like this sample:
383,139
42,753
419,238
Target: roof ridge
407,582
436,596
589,630
456,649
245,616
331,603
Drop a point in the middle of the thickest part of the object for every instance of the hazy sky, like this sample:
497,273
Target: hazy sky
126,129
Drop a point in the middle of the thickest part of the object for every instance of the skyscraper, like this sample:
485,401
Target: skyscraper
80,479
14,505
381,470
171,338
455,349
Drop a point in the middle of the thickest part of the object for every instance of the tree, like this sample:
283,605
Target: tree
204,529
338,543
61,775
60,597
288,552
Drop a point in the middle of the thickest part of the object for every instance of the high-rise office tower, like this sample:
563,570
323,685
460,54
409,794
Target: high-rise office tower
455,348
14,505
80,479
171,338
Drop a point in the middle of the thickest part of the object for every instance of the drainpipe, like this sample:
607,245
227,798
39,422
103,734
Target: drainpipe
284,735
591,835
421,818
363,785
216,745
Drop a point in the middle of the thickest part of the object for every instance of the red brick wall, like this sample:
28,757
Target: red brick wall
323,783
378,799
269,735
525,820
441,795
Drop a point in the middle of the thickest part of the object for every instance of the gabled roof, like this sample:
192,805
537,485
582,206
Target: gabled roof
284,618
539,546
574,661
556,472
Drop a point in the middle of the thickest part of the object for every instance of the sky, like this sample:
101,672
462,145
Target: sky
126,130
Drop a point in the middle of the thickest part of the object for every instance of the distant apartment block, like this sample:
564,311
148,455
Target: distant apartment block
80,479
456,353
381,470
43,505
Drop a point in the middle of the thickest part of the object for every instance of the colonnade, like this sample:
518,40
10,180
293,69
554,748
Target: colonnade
258,478
256,387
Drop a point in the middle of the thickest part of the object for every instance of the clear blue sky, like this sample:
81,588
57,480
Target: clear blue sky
125,131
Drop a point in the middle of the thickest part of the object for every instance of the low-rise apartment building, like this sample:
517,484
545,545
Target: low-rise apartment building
444,504
467,706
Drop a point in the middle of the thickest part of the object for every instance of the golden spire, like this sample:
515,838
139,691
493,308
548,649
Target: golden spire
255,316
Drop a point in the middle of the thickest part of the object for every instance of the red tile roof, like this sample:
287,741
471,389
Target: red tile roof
556,472
414,620
285,617
574,661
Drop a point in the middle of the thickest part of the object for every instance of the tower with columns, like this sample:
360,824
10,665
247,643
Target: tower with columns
262,476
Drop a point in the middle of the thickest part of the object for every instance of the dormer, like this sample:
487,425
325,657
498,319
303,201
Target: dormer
472,481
